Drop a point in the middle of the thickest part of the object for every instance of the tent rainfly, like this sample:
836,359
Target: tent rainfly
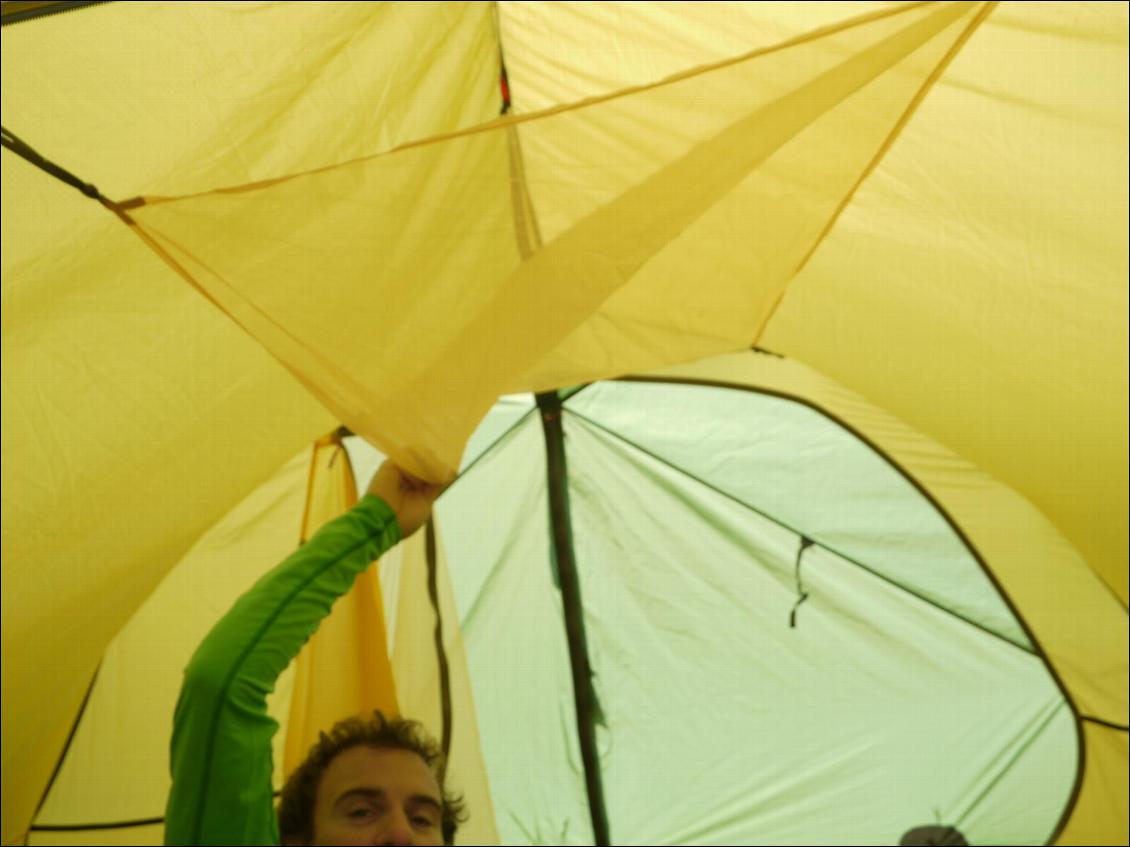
780,349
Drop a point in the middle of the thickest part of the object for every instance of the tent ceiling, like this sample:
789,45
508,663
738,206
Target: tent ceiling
973,287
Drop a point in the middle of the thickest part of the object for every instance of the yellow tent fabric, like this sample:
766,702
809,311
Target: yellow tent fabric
348,666
924,201
344,668
1002,190
624,236
117,765
131,469
1100,811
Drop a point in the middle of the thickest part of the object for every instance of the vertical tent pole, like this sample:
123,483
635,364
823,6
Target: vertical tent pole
441,651
584,695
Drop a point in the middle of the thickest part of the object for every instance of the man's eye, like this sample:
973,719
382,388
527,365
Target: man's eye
422,820
359,812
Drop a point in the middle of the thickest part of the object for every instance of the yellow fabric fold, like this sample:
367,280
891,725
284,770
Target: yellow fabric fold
344,668
444,314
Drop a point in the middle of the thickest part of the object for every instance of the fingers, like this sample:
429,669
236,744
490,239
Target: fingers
390,477
416,483
412,483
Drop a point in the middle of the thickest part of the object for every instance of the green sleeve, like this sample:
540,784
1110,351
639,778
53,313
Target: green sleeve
221,748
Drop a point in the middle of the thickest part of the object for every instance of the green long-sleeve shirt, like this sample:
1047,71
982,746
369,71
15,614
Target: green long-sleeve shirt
221,748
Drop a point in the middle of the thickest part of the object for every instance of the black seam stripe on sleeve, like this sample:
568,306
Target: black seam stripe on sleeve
222,700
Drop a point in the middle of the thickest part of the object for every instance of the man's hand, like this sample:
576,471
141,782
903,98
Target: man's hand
409,497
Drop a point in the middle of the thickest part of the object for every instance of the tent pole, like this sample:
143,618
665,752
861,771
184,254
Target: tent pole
25,11
584,695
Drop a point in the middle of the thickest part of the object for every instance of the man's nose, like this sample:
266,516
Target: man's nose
397,830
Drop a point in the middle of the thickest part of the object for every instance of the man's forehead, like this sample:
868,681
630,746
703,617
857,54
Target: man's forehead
378,770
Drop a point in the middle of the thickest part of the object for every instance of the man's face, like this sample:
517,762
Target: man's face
378,796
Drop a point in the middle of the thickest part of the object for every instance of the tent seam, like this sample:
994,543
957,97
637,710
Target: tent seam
801,534
1080,738
512,119
66,745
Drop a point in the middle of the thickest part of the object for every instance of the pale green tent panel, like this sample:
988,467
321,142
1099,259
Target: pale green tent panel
851,721
924,204
803,481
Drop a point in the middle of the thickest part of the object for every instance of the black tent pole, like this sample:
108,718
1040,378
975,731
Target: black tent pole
584,695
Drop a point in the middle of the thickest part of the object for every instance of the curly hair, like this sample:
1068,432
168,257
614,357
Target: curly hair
296,803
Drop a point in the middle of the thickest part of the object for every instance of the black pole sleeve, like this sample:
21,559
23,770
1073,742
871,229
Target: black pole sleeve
12,142
584,694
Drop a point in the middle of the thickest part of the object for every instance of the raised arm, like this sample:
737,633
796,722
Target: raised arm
221,747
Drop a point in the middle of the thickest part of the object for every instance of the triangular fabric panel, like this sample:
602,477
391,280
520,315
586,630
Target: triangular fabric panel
759,138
